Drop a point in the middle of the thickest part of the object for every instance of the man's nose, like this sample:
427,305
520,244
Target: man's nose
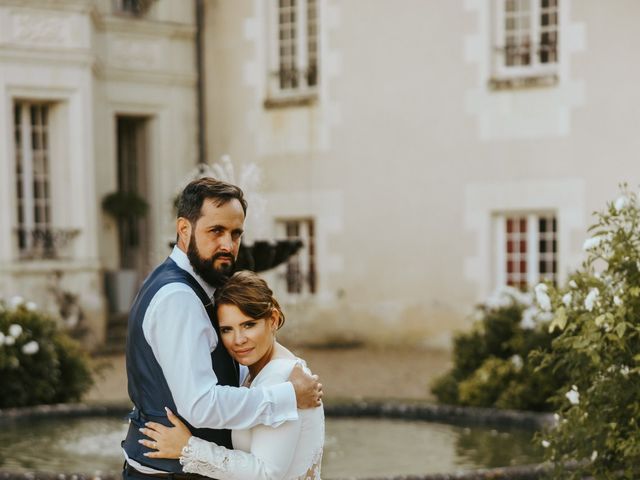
226,244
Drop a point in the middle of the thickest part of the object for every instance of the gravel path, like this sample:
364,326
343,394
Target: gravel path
345,373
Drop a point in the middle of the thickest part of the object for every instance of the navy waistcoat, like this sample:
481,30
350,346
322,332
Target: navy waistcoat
148,388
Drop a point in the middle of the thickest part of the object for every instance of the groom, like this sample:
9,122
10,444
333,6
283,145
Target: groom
174,354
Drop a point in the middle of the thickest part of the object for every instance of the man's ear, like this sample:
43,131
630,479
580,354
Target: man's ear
184,228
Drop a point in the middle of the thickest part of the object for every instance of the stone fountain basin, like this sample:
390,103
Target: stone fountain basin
363,440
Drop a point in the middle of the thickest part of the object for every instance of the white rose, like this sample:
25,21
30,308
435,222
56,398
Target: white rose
573,396
546,444
528,321
31,306
9,340
566,299
542,298
591,243
621,202
517,362
15,330
590,301
15,302
30,348
617,301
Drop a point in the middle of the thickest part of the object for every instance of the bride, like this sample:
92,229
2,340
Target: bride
248,317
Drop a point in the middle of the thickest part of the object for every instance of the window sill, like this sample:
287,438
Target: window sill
523,82
302,100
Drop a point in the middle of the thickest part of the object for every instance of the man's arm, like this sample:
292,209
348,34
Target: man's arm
179,331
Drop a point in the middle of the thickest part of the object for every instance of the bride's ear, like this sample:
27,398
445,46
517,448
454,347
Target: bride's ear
274,319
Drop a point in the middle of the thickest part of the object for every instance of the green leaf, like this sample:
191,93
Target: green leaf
559,320
579,343
621,328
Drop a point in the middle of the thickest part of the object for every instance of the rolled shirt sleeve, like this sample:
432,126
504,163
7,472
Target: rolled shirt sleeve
178,329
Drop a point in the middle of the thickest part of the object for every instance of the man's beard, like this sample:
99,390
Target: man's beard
204,267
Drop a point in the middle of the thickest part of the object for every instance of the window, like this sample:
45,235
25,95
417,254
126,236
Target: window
527,249
293,69
526,39
134,8
300,271
31,128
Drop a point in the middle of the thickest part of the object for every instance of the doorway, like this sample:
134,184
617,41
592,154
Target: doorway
132,171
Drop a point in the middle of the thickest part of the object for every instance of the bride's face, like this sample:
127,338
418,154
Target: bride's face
248,340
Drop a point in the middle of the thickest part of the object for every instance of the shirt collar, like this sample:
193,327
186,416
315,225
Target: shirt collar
183,262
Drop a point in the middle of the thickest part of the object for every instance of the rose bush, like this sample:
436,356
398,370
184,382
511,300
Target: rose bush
597,351
492,366
39,364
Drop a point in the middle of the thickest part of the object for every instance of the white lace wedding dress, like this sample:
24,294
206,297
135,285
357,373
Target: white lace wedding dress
292,451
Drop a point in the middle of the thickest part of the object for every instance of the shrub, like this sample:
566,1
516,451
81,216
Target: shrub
38,363
598,350
492,363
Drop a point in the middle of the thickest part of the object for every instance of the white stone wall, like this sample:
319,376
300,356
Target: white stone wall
415,154
94,64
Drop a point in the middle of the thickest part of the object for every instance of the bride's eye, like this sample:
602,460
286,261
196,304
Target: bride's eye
249,324
225,329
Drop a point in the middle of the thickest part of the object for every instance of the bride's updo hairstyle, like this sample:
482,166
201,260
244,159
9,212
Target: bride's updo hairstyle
251,294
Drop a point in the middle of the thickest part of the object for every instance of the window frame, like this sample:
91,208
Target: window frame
303,93
306,257
536,70
24,155
533,255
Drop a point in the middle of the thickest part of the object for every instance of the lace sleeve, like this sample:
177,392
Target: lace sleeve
269,462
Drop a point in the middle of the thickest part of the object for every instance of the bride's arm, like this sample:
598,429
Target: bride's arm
272,451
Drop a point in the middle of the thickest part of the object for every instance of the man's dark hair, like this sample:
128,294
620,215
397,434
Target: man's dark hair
194,195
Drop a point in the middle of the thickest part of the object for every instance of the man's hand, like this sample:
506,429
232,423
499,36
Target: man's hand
308,389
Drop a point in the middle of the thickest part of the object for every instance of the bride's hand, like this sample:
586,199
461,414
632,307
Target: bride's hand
167,441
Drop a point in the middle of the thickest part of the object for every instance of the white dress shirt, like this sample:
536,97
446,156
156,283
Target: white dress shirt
179,331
